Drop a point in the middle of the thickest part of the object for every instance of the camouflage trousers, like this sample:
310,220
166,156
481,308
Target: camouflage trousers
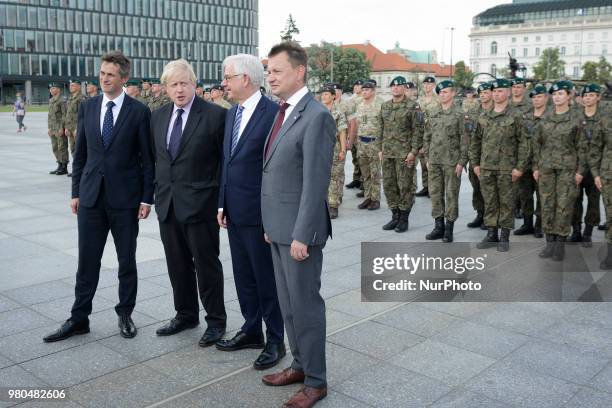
398,183
336,183
477,200
587,186
72,142
59,145
424,176
498,192
526,187
355,159
606,194
444,191
558,193
369,163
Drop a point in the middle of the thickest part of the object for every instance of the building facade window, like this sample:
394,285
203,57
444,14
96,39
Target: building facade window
494,48
513,52
562,51
537,52
576,73
493,70
525,52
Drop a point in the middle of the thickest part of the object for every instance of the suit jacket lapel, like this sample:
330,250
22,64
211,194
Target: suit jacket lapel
97,109
229,126
192,123
260,109
162,131
123,114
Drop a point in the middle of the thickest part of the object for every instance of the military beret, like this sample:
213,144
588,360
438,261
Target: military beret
485,86
207,90
93,82
218,87
429,80
539,89
398,80
501,83
328,88
561,85
200,84
443,85
592,87
410,84
75,81
369,84
55,85
469,91
337,86
148,80
262,89
358,82
372,80
154,81
517,81
132,82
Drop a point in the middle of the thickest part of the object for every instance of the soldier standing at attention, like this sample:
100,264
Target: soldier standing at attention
557,169
471,120
157,99
369,146
401,140
470,103
92,88
446,153
352,133
145,93
72,111
216,94
498,155
200,89
206,96
336,184
411,91
590,122
526,184
519,100
427,102
132,88
59,144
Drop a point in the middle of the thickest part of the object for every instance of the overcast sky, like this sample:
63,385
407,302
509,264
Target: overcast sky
417,25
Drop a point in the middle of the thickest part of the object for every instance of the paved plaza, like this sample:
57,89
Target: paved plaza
379,354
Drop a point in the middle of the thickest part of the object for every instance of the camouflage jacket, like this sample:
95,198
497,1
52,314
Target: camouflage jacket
72,111
530,126
446,140
340,119
469,106
600,150
496,144
368,120
223,103
351,106
591,127
523,107
556,143
157,102
428,104
57,110
401,128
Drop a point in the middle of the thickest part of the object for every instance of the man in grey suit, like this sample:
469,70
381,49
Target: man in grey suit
296,172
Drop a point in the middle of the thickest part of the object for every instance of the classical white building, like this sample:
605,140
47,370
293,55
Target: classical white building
581,29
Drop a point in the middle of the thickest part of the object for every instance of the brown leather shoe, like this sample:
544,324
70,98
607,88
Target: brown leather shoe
306,397
364,204
374,205
285,377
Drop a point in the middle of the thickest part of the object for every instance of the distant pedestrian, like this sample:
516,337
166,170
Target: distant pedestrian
19,111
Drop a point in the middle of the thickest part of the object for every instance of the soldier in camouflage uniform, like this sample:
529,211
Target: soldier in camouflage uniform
520,100
59,144
72,111
590,122
557,169
352,144
132,89
145,93
469,103
206,95
471,120
498,154
527,186
200,89
427,102
216,94
446,145
336,184
402,136
369,145
411,91
92,88
157,99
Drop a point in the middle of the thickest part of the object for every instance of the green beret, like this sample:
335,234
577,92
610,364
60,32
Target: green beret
218,87
75,81
372,80
501,83
592,87
443,85
369,84
517,81
93,82
539,89
485,86
328,88
358,82
398,80
132,82
207,89
561,85
200,84
154,81
410,85
148,80
55,85
429,80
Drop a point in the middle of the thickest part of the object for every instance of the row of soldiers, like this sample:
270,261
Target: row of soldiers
512,146
63,113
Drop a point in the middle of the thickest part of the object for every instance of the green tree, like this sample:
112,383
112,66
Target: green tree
603,70
590,71
550,66
348,65
463,77
290,30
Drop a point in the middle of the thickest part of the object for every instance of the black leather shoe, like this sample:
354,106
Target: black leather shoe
424,192
127,328
175,326
270,356
241,341
211,336
68,329
353,184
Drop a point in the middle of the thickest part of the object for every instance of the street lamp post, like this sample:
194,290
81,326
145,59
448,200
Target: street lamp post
451,52
332,64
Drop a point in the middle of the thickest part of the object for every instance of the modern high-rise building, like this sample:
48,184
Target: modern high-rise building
54,40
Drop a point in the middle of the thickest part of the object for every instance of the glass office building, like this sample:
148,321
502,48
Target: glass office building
53,40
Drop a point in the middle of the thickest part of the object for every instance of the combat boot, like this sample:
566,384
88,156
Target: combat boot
448,231
438,231
333,213
477,222
537,229
526,228
587,242
547,252
606,264
559,250
63,170
360,194
59,166
576,235
490,240
394,220
402,225
374,205
518,213
602,227
364,204
353,184
504,240
424,192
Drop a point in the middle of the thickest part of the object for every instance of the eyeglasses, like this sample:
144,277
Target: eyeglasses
228,77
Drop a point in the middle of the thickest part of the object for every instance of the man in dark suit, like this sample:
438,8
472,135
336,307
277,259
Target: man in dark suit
112,188
296,172
246,128
188,139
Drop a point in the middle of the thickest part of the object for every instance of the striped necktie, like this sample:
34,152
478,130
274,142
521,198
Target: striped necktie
236,129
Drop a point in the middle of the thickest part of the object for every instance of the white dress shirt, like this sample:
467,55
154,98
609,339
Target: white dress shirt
184,117
116,109
294,100
249,108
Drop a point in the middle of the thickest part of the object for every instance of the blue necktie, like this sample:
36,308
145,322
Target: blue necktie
176,134
236,129
107,125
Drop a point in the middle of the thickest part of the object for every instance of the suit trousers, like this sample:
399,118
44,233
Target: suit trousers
94,223
192,257
298,285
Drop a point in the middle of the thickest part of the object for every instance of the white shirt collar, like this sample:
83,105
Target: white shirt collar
252,101
118,100
185,108
296,97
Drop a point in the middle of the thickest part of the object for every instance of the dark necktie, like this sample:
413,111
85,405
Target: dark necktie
107,125
278,123
176,134
236,129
